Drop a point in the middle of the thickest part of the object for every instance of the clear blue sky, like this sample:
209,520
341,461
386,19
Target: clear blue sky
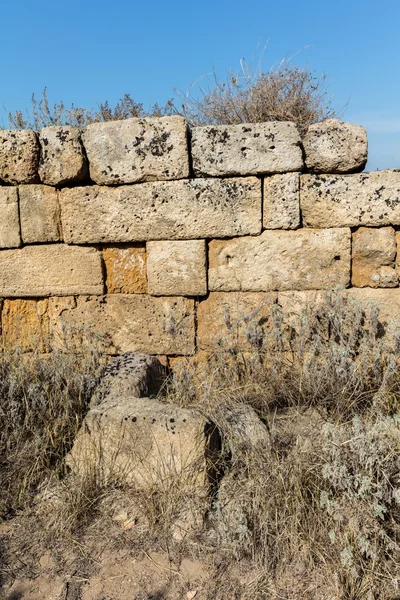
88,51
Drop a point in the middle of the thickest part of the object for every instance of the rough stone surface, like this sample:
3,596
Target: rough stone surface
246,149
132,323
9,223
25,324
39,213
281,260
234,320
125,269
135,150
177,268
386,300
49,270
19,156
373,257
194,209
371,199
144,442
282,201
62,158
335,147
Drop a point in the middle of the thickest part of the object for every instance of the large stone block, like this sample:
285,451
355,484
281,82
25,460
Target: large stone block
132,323
373,257
246,149
19,156
125,269
371,199
49,270
9,223
39,213
25,324
62,158
194,209
177,268
281,260
234,320
335,147
282,201
135,150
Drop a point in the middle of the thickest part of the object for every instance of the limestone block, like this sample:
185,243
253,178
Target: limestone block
39,213
282,201
132,323
19,156
9,223
135,150
387,301
177,268
191,209
125,269
234,320
371,199
62,158
246,149
373,257
25,324
49,270
281,260
335,147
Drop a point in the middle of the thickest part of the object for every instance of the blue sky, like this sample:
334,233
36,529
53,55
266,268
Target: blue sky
87,52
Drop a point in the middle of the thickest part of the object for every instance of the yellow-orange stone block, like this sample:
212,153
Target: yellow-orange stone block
25,324
125,270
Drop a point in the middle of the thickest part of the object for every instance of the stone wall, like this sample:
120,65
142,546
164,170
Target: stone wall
155,234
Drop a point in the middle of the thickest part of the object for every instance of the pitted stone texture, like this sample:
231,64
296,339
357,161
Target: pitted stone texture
281,260
234,320
25,324
39,213
132,323
282,201
62,158
371,199
177,268
125,269
373,257
19,156
335,147
136,150
50,270
171,210
9,223
246,149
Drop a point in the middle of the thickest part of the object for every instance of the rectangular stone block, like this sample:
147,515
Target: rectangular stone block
136,150
132,323
9,222
39,213
246,149
62,159
125,269
282,201
371,199
177,268
50,270
173,210
19,156
25,324
281,260
373,257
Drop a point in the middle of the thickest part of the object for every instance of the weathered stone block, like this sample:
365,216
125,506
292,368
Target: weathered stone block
25,324
371,199
177,268
39,213
246,149
49,270
62,158
282,201
133,323
125,269
281,260
373,257
9,223
234,320
194,209
135,150
335,147
19,156
386,300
